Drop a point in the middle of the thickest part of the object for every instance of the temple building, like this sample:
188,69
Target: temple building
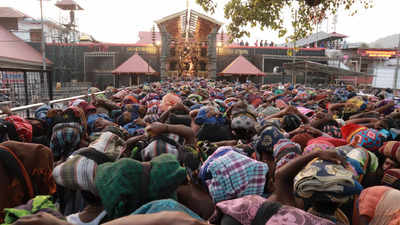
189,44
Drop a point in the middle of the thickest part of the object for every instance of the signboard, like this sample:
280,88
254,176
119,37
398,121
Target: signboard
378,53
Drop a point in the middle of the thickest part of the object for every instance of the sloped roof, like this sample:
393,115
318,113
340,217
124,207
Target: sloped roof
319,37
13,48
322,68
134,65
8,12
241,66
197,25
68,5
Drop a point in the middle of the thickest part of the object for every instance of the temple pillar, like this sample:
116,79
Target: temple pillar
164,52
212,54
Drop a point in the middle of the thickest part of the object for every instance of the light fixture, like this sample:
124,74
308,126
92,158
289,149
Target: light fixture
219,44
158,43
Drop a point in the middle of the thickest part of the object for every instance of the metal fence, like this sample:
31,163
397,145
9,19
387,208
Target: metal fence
28,110
24,86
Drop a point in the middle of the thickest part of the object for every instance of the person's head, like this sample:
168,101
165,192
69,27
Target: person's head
244,134
102,123
285,151
290,122
265,142
243,126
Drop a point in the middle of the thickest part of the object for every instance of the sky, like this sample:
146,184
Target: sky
119,21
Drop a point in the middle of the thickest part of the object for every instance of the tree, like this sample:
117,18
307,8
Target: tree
268,14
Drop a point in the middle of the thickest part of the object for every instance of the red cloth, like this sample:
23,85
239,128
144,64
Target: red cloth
302,139
328,140
349,130
256,102
129,99
23,127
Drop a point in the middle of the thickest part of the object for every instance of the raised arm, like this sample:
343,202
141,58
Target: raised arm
284,176
159,128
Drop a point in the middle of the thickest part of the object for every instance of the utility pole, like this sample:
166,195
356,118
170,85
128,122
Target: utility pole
43,36
294,52
396,74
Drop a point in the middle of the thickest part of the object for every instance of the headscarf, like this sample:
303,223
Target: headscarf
370,139
324,181
41,112
349,130
77,173
110,144
78,115
290,122
302,139
267,111
285,151
23,127
169,100
380,204
202,116
305,111
243,121
127,184
130,99
91,121
321,146
65,139
391,149
355,105
267,139
334,141
195,98
251,208
332,131
391,178
161,145
229,174
165,205
361,155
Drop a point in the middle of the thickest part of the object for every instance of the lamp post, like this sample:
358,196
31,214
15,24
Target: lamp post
43,36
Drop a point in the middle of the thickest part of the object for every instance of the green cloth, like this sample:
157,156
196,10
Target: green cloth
123,187
38,203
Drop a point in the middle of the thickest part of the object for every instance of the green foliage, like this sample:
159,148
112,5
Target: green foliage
268,14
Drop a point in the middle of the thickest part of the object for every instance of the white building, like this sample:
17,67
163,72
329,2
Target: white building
30,29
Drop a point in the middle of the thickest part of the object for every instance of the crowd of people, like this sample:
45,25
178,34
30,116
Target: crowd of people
205,152
262,43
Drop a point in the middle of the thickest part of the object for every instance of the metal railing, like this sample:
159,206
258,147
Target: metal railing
25,110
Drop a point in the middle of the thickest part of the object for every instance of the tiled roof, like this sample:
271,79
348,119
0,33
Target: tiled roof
241,66
134,65
68,5
8,12
13,48
319,37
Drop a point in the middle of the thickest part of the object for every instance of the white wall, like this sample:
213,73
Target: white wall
384,75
